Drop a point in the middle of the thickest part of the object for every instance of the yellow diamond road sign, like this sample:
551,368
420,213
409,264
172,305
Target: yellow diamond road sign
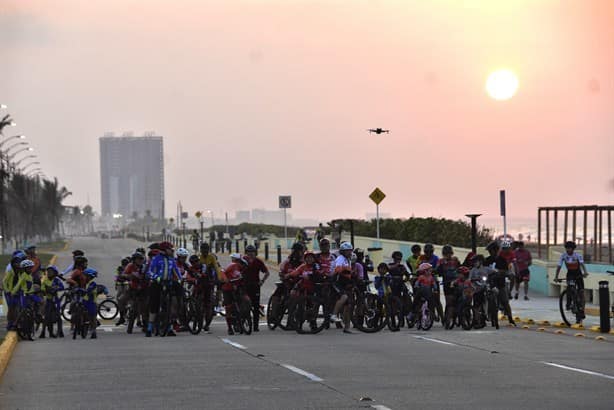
377,196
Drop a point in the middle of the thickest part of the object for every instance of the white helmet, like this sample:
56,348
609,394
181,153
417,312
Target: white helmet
26,264
346,246
182,252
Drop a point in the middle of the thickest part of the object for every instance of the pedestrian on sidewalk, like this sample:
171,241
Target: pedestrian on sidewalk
522,259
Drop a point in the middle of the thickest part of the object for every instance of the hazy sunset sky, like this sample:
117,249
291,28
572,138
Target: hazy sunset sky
257,98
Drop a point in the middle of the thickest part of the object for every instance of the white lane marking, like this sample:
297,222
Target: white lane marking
107,329
380,407
235,344
574,369
302,372
435,340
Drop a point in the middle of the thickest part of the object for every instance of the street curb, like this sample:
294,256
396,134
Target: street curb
6,350
53,260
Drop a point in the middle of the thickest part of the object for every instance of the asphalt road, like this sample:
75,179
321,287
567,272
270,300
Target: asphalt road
509,368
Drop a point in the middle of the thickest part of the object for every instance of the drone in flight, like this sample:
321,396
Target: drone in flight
378,130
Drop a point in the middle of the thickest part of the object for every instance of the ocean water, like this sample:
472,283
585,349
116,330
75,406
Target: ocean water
527,227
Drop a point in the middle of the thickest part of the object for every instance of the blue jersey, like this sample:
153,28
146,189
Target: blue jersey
163,268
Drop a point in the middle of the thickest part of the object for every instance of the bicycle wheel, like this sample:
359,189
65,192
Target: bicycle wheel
107,309
245,318
479,320
395,317
567,314
493,311
426,319
194,317
299,316
271,314
65,309
373,315
131,315
466,318
25,325
77,321
449,319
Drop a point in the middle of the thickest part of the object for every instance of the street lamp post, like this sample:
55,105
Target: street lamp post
474,231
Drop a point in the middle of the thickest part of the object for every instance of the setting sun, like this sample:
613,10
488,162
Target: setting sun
502,84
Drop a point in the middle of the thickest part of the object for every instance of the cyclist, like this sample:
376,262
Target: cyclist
252,280
71,267
51,285
24,290
162,269
122,288
307,274
576,271
232,273
508,254
11,277
500,264
342,269
213,268
523,260
325,257
447,269
476,275
463,291
382,280
31,254
89,298
76,278
423,288
203,284
136,273
414,258
364,262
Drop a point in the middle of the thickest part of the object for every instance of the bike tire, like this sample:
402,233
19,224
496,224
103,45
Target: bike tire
479,321
426,319
271,316
245,318
374,315
107,309
562,307
493,312
395,318
25,325
130,314
466,318
194,318
449,319
65,309
76,321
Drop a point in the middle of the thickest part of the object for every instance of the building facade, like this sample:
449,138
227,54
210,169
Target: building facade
132,175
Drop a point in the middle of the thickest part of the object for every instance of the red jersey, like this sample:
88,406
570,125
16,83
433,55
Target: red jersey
137,276
426,281
253,269
78,276
232,272
523,259
326,263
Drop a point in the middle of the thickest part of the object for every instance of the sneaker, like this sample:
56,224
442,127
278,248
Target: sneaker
335,318
93,336
526,297
206,328
516,296
217,309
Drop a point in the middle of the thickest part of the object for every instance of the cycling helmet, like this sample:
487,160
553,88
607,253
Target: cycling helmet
53,268
493,246
78,252
141,251
27,263
194,259
19,254
505,244
324,241
138,255
397,255
463,270
570,244
359,252
428,248
183,252
91,272
447,250
250,248
125,261
346,246
165,245
383,266
154,245
424,266
416,248
79,260
297,246
30,247
235,256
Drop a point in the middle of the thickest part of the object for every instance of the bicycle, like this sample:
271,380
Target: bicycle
107,309
134,309
25,321
570,300
164,313
79,315
369,311
311,308
424,319
277,307
241,316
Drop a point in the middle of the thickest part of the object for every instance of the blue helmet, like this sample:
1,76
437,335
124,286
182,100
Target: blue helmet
346,246
91,272
19,254
54,269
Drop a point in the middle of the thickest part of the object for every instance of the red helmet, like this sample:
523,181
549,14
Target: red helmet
463,270
165,245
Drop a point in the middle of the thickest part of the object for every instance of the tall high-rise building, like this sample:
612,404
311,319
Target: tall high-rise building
132,175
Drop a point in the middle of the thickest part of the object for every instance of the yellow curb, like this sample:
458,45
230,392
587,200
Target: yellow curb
526,327
6,350
52,260
600,338
516,318
529,321
544,322
577,326
559,332
579,335
595,329
541,329
560,324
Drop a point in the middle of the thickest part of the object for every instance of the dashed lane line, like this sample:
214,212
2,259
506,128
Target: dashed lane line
436,341
302,372
234,344
575,369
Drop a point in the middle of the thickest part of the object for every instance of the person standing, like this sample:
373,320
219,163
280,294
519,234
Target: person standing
253,283
523,260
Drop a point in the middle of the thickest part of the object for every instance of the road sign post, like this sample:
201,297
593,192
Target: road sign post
377,196
285,202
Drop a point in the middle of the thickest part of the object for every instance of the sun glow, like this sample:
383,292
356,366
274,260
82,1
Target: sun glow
502,84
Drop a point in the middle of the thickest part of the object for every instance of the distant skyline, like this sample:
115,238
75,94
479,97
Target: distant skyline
257,99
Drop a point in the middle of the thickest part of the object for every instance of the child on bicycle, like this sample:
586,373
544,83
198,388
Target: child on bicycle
89,299
11,277
51,285
576,272
423,289
382,280
463,290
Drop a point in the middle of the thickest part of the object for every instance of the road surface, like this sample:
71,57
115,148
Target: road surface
505,369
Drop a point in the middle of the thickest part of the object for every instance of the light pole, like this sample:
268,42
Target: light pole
12,138
474,231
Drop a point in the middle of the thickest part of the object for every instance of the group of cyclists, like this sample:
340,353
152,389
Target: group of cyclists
164,291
